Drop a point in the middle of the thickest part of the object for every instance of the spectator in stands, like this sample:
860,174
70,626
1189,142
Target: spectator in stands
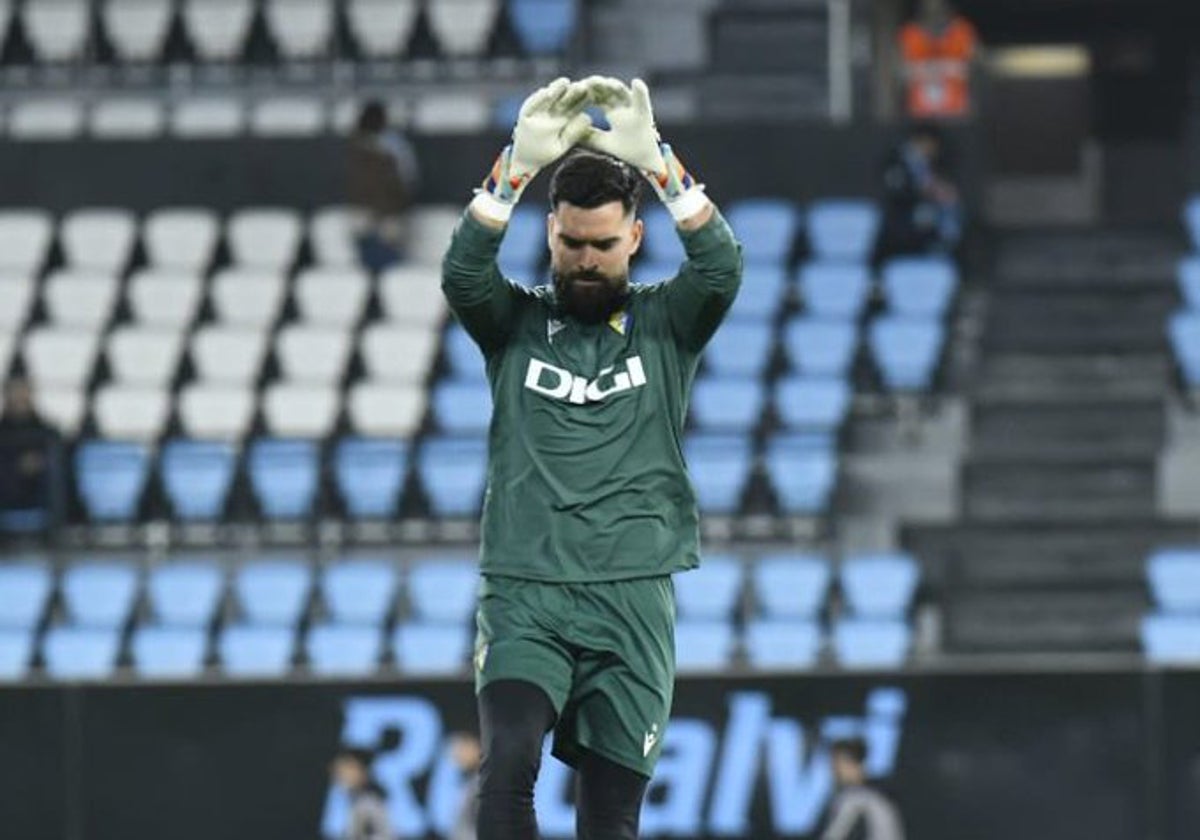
351,770
383,178
936,49
858,811
467,754
922,213
30,450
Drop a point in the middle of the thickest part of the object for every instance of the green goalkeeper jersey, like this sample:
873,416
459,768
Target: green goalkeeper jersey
586,478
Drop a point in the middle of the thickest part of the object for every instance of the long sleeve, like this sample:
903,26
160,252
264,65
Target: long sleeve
479,296
698,298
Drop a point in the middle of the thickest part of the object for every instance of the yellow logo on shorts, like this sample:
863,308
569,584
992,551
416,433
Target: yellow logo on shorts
481,652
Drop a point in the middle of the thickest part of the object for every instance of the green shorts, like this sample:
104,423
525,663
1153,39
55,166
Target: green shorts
603,652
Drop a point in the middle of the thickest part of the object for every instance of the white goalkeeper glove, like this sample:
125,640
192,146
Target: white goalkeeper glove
551,121
634,139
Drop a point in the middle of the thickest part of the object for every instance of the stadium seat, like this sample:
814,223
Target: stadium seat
820,347
842,229
169,652
523,249
81,653
273,590
185,592
1171,638
782,643
216,412
17,291
919,287
46,118
208,117
543,27
62,407
300,411
879,585
791,586
100,593
871,642
429,237
720,467
703,645
766,227
1191,220
382,409
834,290
812,403
60,356
334,297
81,299
463,28
256,650
739,349
137,29
24,592
197,477
145,356
332,237
462,112
57,30
370,476
218,28
111,477
1174,577
710,591
906,351
381,28
127,118
442,590
343,650
462,407
1188,278
248,297
131,412
301,29
761,296
16,653
228,355
285,477
412,294
430,649
463,355
98,239
287,116
315,355
399,353
660,243
265,238
803,477
1184,333
181,238
25,237
360,589
727,404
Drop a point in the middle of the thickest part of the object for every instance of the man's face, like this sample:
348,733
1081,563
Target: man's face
590,251
846,770
18,398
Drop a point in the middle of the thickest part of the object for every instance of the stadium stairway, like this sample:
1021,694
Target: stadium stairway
1059,487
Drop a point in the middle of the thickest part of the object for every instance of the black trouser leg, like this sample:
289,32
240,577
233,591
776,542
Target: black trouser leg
609,800
514,717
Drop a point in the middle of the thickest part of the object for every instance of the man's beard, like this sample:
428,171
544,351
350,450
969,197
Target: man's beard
590,296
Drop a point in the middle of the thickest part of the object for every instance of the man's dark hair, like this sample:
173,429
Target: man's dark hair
372,119
589,179
853,748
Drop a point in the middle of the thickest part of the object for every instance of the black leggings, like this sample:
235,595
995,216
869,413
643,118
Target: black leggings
514,717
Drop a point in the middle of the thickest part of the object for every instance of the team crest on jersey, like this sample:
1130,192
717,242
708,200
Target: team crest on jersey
620,321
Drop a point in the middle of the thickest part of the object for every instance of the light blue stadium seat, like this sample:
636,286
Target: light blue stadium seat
453,472
370,474
169,652
360,589
16,652
661,243
739,349
505,111
442,590
710,591
185,593
1184,332
720,467
1174,577
285,477
653,272
919,287
813,403
422,648
819,346
1191,220
462,406
81,653
879,585
1188,277
111,477
197,476
782,643
760,297
703,645
101,593
344,649
462,354
835,290
24,589
727,404
523,249
256,650
273,591
906,350
766,227
543,27
791,586
871,642
843,229
1171,638
803,477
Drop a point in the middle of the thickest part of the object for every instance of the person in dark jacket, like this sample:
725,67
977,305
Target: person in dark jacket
922,213
859,811
30,454
351,770
383,177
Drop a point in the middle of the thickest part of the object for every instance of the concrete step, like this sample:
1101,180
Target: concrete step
1058,378
1057,322
1067,490
1042,622
1100,429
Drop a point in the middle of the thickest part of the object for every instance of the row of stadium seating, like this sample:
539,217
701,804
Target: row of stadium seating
180,615
1171,632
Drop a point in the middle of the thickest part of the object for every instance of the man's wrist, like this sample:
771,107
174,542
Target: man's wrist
490,210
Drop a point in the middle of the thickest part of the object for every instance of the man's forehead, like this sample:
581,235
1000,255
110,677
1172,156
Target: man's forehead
586,222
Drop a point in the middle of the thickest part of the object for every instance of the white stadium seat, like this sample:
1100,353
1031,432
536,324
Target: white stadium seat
301,29
144,355
218,28
60,356
332,296
462,28
137,29
181,238
264,237
216,412
313,355
99,239
56,29
430,233
207,117
451,113
16,295
128,119
248,297
80,298
228,355
300,411
382,28
412,294
288,116
399,353
164,297
24,240
128,412
331,233
55,118
61,407
385,409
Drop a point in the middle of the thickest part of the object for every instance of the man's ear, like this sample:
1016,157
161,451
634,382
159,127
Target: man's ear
551,226
637,230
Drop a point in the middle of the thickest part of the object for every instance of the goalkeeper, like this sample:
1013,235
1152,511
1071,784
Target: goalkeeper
588,509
